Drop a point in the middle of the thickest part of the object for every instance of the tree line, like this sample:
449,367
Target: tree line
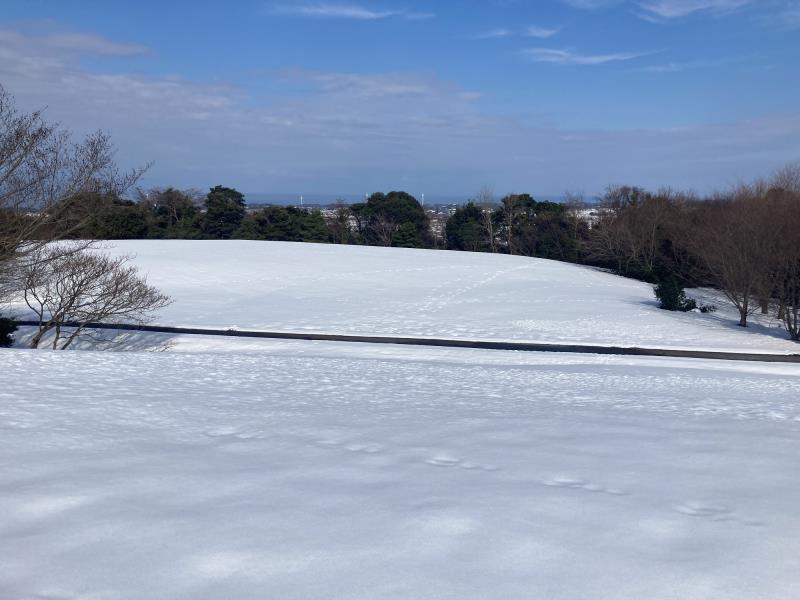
744,241
393,219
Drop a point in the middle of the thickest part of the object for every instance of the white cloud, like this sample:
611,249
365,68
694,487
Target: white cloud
494,34
665,10
678,67
788,18
532,31
46,70
567,57
66,44
592,4
343,11
673,9
92,44
541,32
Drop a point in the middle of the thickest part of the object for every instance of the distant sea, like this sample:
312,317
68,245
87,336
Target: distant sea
293,199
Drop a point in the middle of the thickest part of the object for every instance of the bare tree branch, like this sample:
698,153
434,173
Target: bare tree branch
64,285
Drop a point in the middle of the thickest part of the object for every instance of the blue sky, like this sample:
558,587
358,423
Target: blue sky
436,97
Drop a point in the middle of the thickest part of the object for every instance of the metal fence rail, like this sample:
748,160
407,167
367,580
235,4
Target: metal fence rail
448,343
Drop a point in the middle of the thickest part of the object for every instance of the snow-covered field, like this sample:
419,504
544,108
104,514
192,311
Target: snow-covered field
243,469
352,289
319,470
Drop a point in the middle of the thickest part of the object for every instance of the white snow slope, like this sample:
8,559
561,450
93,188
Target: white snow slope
352,289
316,470
252,469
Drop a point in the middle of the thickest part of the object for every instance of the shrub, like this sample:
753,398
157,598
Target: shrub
672,296
80,287
7,327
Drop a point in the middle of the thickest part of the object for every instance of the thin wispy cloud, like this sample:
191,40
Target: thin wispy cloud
343,11
567,57
673,67
788,18
494,34
591,4
532,31
381,85
674,9
666,10
541,32
78,43
679,67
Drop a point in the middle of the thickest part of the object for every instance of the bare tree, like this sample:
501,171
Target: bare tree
509,214
632,227
44,176
487,204
789,287
783,205
383,229
575,213
166,207
69,287
437,226
340,224
732,241
787,178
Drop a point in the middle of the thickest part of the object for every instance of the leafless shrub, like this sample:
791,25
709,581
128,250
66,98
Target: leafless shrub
66,284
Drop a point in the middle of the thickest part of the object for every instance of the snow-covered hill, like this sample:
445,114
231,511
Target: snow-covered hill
354,289
299,470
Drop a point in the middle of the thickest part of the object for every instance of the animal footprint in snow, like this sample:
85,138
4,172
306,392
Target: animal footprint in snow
365,448
221,432
580,484
328,443
565,482
231,432
715,512
444,460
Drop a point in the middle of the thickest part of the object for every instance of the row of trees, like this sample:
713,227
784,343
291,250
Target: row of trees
393,219
744,242
517,225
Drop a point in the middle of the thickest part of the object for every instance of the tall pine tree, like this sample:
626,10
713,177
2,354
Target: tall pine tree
225,210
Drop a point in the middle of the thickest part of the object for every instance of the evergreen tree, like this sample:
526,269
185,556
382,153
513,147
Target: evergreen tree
286,224
672,296
7,327
225,210
466,230
380,218
407,236
532,228
121,220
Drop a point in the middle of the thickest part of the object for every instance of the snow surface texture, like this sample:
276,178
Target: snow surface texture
299,470
352,289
